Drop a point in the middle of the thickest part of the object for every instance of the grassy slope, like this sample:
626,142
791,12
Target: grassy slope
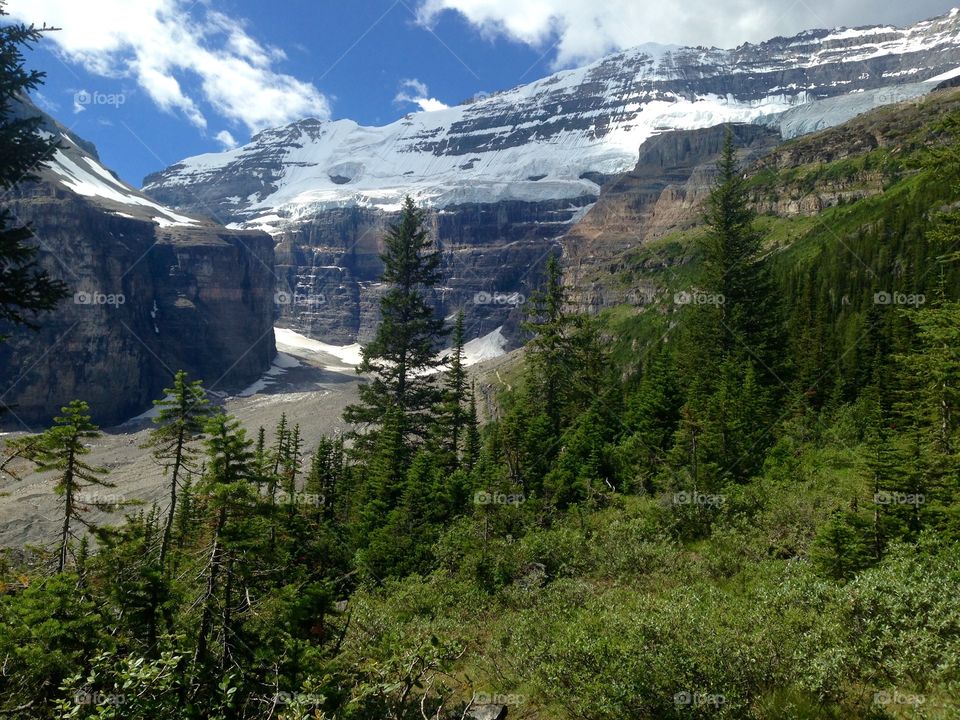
606,614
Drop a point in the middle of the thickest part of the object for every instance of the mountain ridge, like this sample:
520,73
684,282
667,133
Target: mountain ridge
544,139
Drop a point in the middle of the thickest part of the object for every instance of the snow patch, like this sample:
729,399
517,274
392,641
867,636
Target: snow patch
483,348
281,364
293,341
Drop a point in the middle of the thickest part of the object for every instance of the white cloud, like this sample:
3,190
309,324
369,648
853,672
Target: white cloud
182,60
416,92
583,30
225,138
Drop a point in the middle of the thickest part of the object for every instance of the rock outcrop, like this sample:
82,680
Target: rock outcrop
663,193
152,292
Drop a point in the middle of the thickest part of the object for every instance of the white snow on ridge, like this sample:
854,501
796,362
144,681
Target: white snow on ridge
949,75
506,146
383,168
91,179
492,345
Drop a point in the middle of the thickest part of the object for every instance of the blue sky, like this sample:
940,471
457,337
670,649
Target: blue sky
154,81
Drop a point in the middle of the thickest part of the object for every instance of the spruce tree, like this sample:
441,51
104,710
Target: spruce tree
229,495
25,288
180,421
471,450
453,419
61,449
325,478
729,346
550,355
733,266
403,353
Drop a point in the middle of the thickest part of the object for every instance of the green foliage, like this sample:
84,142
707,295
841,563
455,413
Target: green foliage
25,288
407,338
754,516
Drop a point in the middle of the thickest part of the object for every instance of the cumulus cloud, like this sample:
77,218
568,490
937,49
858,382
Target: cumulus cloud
416,92
575,31
225,138
187,57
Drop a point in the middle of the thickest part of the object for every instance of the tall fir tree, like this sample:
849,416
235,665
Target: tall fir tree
229,496
180,420
550,356
729,347
452,421
404,350
471,448
61,449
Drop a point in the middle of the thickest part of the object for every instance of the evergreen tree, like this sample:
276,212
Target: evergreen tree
229,499
729,347
550,353
650,418
404,350
326,476
471,450
61,450
180,421
733,266
453,421
25,289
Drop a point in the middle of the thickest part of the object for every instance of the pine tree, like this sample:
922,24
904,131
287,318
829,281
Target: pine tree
651,417
325,478
228,489
550,356
408,337
733,267
25,289
471,450
453,421
180,421
293,462
729,348
61,449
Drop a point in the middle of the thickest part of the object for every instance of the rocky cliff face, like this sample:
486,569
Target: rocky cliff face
492,257
153,292
666,190
505,176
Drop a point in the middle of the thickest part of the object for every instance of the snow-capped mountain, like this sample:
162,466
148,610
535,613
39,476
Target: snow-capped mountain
555,138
